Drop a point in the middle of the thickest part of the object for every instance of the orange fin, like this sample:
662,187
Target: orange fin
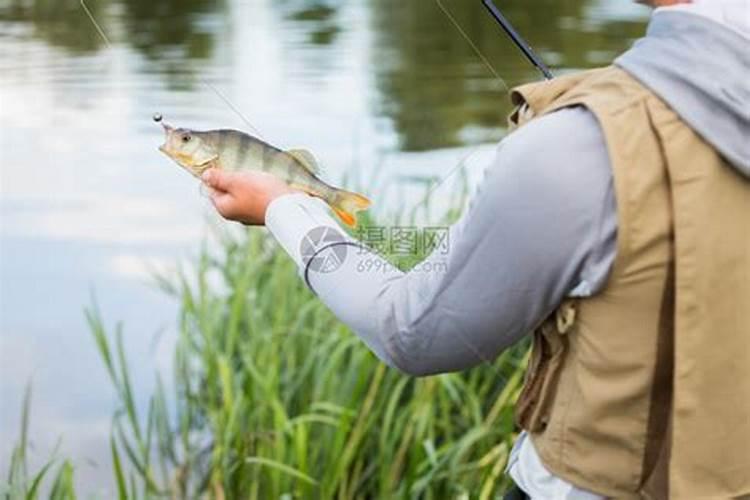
346,205
347,218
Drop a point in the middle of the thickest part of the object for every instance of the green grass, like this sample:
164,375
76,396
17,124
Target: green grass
20,484
272,397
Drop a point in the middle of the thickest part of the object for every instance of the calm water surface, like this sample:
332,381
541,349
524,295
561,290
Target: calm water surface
387,94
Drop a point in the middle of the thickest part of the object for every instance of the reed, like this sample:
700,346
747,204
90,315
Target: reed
21,484
272,397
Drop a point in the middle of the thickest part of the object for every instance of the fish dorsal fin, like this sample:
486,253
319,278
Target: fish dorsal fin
307,160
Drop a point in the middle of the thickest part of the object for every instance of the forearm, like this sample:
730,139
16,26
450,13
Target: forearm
412,321
387,308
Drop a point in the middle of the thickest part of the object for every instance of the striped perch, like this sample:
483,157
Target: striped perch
235,151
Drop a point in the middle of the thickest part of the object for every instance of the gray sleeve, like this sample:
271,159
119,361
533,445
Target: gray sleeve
541,227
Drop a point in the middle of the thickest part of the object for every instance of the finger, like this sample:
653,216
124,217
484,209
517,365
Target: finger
220,200
218,179
226,205
206,191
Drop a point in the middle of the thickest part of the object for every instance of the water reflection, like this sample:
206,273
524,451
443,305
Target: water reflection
432,85
321,17
439,92
58,22
171,34
157,28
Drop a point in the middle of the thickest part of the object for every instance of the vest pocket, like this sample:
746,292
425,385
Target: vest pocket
550,345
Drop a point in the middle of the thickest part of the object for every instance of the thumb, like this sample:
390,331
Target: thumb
218,179
223,202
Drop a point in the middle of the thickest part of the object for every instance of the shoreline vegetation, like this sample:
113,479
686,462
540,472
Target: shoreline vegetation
272,397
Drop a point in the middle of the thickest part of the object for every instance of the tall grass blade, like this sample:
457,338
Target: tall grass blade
282,468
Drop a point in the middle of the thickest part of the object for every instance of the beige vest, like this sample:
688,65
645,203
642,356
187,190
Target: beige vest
643,390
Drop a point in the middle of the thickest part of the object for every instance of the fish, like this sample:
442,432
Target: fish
236,151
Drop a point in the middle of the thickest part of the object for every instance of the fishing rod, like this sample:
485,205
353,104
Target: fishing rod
517,39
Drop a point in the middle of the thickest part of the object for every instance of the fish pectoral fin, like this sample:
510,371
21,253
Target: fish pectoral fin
307,160
212,163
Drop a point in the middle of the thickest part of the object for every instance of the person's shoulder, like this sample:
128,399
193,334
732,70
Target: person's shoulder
572,129
567,144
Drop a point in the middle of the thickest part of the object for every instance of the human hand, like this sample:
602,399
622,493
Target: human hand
244,196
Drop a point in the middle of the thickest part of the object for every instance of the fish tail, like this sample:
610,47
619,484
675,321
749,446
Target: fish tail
346,205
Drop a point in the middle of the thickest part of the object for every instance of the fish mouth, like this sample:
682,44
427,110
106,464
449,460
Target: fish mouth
168,129
182,159
165,149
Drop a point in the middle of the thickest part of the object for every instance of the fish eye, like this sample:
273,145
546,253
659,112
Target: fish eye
186,138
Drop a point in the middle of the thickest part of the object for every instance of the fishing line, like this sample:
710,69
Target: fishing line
205,82
96,25
492,70
520,43
472,44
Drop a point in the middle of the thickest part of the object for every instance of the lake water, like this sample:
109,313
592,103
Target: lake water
387,93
